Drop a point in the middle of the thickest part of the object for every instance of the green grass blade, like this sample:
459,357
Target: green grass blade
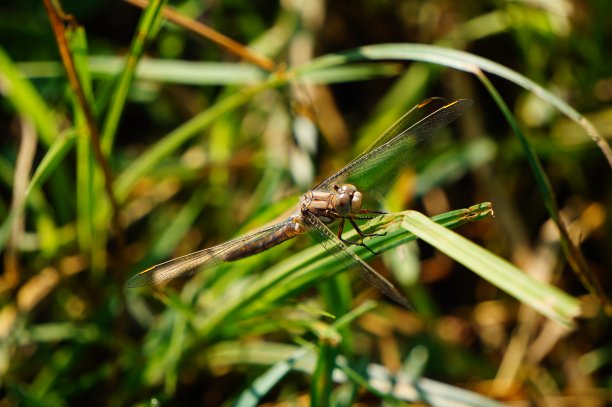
150,19
252,395
186,72
175,230
402,388
471,63
206,73
88,191
572,252
546,299
459,60
374,377
26,100
454,163
85,194
321,385
406,91
296,274
315,265
353,72
172,141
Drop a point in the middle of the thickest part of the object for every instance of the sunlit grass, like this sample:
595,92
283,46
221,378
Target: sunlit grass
212,150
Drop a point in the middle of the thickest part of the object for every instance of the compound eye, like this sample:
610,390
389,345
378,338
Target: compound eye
356,201
348,188
343,204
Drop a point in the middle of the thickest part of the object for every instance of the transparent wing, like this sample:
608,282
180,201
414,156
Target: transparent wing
413,116
205,259
376,169
333,245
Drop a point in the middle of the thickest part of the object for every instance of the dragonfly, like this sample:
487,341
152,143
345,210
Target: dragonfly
338,199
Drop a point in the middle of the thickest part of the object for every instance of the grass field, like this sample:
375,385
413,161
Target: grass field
133,134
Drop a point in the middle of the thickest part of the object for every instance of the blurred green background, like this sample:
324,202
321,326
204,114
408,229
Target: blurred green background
203,146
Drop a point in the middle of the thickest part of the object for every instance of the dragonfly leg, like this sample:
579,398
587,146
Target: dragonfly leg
372,211
362,233
341,228
369,214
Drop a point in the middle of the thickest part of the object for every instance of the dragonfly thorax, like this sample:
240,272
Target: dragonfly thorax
329,206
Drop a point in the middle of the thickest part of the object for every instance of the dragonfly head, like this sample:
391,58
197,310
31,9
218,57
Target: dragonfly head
347,200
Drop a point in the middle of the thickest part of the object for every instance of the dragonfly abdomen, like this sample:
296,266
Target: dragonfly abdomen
264,243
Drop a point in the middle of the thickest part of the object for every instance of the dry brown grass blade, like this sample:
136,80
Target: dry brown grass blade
214,36
27,149
59,22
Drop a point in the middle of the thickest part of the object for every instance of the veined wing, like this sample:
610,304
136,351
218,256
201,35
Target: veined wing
205,259
376,169
333,245
413,116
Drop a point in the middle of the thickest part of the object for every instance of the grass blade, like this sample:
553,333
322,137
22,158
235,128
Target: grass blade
374,377
572,252
172,141
26,100
546,299
296,274
252,395
51,161
150,19
462,61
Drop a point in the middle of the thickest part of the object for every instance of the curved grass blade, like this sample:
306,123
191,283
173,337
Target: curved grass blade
26,100
374,377
255,392
571,250
474,64
296,274
149,159
335,246
459,60
546,299
147,28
